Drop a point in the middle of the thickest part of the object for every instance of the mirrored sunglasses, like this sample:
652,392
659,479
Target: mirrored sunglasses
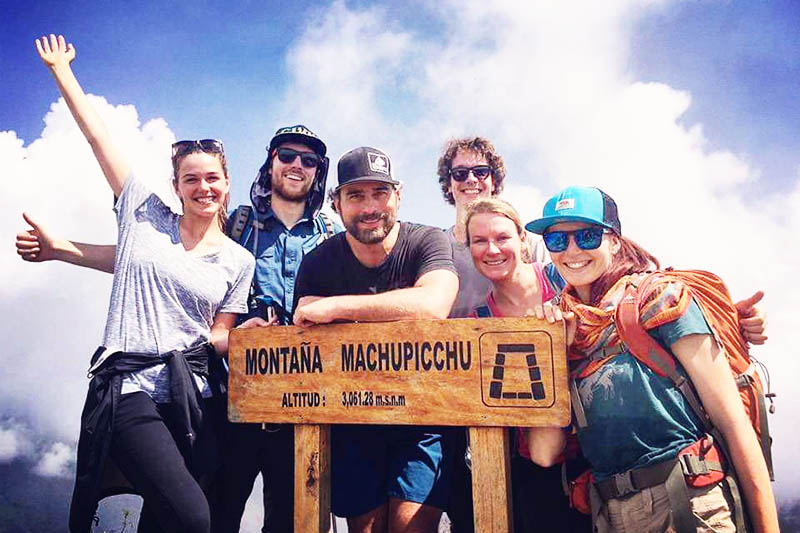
585,239
462,173
212,146
307,159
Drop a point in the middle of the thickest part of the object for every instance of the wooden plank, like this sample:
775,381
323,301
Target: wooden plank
312,487
491,479
464,372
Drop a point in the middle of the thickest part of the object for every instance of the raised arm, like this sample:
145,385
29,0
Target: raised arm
709,371
57,56
37,245
432,296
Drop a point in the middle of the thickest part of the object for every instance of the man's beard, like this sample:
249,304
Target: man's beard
280,191
373,235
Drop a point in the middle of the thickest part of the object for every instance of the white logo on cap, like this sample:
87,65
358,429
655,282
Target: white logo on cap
378,163
566,203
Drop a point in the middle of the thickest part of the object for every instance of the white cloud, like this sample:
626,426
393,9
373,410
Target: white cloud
57,461
546,81
54,313
15,441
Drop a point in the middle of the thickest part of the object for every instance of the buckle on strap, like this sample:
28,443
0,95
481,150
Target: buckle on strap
606,351
693,465
624,484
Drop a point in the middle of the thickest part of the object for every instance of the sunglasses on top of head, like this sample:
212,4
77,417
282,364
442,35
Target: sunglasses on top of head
212,146
307,159
462,173
586,239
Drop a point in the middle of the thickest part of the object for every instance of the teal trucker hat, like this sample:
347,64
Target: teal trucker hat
578,204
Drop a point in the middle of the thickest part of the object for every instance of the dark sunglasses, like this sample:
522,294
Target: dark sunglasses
212,146
462,173
586,239
307,159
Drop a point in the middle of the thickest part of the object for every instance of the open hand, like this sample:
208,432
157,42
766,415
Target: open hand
35,245
55,52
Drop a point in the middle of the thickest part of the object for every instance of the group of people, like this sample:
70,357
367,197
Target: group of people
154,417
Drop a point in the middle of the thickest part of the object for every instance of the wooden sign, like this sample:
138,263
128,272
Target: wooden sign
463,372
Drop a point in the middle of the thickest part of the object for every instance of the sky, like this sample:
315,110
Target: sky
685,112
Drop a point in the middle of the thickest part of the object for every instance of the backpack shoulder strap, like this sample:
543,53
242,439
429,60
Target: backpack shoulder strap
238,222
645,348
327,226
483,311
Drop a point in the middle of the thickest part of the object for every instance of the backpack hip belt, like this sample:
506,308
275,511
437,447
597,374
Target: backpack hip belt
636,479
675,474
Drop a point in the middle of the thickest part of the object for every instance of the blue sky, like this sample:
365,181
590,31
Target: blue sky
741,62
685,112
220,71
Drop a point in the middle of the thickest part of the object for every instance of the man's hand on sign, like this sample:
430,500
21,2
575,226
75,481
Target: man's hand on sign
258,322
553,314
752,320
313,310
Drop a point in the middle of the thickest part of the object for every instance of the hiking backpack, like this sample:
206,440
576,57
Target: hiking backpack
712,296
240,227
703,463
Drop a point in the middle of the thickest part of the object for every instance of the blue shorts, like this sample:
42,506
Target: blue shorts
370,464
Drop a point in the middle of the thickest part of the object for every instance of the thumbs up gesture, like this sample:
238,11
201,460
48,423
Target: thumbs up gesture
35,244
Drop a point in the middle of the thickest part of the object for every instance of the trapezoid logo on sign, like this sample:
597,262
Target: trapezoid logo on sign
517,369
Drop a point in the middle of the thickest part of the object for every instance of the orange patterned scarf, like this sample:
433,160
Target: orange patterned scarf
596,329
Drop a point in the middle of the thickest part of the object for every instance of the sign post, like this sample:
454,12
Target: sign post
486,374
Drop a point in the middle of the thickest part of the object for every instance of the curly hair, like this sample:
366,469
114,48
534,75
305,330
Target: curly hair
478,145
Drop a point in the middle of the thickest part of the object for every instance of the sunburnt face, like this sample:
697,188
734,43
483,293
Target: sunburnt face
495,245
292,181
201,185
472,188
368,210
580,268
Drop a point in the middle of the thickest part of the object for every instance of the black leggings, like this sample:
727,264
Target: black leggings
145,451
248,450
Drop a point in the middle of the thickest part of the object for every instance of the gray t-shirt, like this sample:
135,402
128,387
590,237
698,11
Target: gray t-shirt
163,298
473,287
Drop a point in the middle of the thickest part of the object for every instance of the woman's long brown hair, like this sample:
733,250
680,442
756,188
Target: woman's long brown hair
629,259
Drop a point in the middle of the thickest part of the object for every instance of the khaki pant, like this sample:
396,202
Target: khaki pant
648,511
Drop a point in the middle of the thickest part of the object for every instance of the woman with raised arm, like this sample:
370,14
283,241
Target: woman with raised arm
178,284
657,445
523,287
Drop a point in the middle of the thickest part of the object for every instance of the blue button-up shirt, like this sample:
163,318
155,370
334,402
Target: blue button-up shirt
279,252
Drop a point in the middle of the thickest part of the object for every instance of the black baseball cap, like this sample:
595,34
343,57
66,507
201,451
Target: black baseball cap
365,164
299,134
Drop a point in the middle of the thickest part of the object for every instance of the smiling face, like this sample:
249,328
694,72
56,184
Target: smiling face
368,210
292,181
201,185
472,188
495,245
580,268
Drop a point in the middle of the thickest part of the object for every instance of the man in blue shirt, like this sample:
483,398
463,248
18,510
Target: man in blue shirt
281,226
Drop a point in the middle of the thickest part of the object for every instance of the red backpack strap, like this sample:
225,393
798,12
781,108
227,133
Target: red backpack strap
646,349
